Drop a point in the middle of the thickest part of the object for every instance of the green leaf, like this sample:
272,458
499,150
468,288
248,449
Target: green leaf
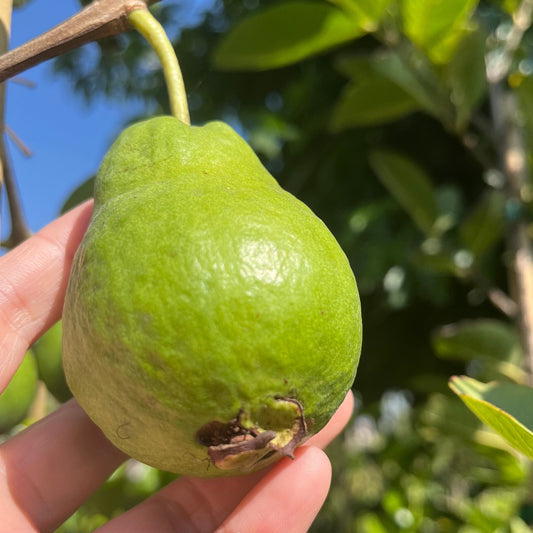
443,414
369,13
439,262
371,101
484,227
436,26
423,89
503,406
409,185
483,339
285,34
465,76
367,214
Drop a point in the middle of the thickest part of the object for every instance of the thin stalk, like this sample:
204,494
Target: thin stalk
143,21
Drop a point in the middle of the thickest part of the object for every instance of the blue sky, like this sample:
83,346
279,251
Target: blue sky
67,137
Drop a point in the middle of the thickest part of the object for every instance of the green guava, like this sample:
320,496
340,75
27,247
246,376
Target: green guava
49,358
211,323
17,398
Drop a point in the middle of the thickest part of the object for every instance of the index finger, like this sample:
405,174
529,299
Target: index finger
33,281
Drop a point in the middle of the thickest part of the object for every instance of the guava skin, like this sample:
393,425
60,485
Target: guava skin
203,295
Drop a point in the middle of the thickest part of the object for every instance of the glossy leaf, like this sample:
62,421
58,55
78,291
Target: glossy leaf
484,226
409,185
285,34
504,407
369,13
436,26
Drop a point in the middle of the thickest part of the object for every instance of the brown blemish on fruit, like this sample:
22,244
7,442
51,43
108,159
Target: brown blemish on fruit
216,433
231,445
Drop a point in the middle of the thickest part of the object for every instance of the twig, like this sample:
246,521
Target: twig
101,18
501,301
21,145
25,82
19,228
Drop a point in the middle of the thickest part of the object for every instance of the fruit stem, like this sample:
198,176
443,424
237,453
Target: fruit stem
147,25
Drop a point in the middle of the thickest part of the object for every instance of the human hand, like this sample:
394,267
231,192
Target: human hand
51,468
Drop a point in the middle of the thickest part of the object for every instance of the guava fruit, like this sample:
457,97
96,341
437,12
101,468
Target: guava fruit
48,353
211,322
17,398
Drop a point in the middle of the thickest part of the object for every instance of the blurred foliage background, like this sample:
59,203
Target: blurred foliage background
378,115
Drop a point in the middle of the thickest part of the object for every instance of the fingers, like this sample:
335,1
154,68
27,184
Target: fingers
287,499
203,504
187,504
33,280
48,470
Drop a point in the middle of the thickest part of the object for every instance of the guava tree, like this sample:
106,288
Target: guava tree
406,126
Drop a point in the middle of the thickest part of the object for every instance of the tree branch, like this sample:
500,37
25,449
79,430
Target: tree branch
19,228
101,18
513,161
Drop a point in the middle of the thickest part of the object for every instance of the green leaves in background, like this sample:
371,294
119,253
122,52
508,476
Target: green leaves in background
370,97
374,100
423,85
484,227
505,407
409,185
436,26
368,13
493,343
284,34
509,5
465,76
